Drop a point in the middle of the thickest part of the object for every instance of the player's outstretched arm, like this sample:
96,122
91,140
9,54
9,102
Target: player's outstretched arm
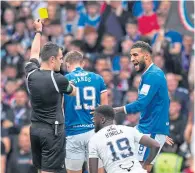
150,87
36,44
93,165
119,110
154,148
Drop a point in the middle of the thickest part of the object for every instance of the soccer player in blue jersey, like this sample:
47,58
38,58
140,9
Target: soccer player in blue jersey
79,125
153,100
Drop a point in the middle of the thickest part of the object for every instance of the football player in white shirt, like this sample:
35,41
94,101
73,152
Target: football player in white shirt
115,145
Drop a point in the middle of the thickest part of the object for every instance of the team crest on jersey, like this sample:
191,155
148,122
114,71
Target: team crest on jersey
186,13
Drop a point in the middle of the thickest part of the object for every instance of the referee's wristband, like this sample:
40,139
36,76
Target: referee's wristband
40,32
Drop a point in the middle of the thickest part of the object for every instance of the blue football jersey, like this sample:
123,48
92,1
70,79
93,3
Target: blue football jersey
89,86
153,102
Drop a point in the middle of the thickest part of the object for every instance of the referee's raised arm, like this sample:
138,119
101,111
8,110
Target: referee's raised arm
46,90
36,44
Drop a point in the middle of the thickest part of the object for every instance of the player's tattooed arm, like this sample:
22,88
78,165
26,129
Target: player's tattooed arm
119,110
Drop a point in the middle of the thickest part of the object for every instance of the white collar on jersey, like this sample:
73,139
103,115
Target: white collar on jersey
148,68
77,69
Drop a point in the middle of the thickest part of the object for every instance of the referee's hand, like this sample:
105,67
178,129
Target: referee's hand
38,24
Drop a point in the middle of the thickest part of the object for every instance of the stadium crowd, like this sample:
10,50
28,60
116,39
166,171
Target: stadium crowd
104,32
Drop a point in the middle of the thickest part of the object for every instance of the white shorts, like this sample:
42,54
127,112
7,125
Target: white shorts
77,150
143,152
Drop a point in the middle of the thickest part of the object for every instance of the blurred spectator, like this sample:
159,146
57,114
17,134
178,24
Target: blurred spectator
56,33
126,45
29,26
125,63
159,60
164,8
102,64
137,9
178,92
130,96
91,44
109,51
20,109
24,12
173,38
177,127
10,71
10,88
123,78
123,81
27,53
91,18
77,45
88,64
187,52
13,57
7,114
132,30
131,120
114,15
21,35
53,11
68,38
21,158
108,79
69,19
9,19
147,22
4,39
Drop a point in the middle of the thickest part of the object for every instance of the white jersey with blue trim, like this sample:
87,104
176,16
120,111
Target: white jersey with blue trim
115,146
89,86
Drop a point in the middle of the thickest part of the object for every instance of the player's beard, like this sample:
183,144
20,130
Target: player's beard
97,127
142,66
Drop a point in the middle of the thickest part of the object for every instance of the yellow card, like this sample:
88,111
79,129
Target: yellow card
43,14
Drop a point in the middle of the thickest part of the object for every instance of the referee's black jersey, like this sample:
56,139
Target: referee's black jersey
46,90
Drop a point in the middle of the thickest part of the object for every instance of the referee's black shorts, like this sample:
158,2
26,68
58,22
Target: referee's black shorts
48,150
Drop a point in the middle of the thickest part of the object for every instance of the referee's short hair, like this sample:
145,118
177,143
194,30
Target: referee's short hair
49,49
106,111
143,46
73,57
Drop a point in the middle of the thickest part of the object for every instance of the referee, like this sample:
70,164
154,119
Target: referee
46,90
